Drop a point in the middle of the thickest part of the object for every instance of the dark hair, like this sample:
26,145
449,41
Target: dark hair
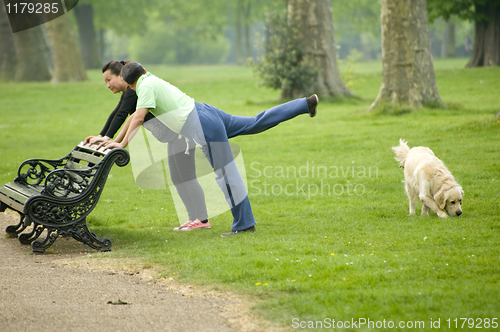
114,66
131,72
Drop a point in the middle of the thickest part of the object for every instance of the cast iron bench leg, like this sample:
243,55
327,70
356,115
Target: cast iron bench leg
79,232
82,233
40,246
14,230
33,235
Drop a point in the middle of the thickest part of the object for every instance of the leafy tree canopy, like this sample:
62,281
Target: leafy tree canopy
121,16
464,9
356,16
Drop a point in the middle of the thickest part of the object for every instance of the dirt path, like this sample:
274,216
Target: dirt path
67,290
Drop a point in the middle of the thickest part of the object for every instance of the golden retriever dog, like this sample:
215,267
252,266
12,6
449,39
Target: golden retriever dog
427,179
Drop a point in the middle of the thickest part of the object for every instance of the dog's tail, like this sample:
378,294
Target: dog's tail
401,151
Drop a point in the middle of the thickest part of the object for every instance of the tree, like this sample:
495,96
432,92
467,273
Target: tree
120,16
486,51
84,14
166,44
486,15
26,56
448,44
7,50
245,13
68,64
315,35
301,58
357,27
32,54
209,20
407,72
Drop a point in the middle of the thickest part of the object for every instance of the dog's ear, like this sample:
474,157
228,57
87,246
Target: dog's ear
439,197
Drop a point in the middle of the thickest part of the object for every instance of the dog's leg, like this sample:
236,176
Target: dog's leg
427,200
431,204
411,198
412,206
425,210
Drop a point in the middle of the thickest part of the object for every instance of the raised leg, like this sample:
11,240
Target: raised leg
242,125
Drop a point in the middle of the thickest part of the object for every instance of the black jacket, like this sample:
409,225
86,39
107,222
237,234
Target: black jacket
126,106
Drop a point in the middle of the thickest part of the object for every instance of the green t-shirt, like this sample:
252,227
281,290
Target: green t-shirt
169,104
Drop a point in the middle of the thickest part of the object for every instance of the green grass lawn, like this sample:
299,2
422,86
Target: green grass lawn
334,239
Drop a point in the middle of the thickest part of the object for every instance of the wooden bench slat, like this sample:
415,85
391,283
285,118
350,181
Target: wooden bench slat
12,203
16,194
73,165
86,156
29,190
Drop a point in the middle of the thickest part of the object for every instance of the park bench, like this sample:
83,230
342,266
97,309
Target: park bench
57,195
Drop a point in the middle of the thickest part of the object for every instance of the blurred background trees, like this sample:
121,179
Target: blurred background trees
486,17
177,32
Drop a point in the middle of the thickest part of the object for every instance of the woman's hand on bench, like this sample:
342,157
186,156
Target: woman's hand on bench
110,145
95,139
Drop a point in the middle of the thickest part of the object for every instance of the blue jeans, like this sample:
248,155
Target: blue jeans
211,128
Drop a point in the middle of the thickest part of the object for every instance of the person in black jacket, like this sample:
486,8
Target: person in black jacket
180,152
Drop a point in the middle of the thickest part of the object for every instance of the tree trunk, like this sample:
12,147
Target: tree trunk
314,19
486,50
7,51
239,44
448,44
248,46
85,19
407,72
101,43
68,64
267,33
33,54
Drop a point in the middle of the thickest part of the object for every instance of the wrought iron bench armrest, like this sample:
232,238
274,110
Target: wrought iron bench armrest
38,170
64,182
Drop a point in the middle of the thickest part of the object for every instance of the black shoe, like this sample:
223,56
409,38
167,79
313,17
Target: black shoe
312,102
251,230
